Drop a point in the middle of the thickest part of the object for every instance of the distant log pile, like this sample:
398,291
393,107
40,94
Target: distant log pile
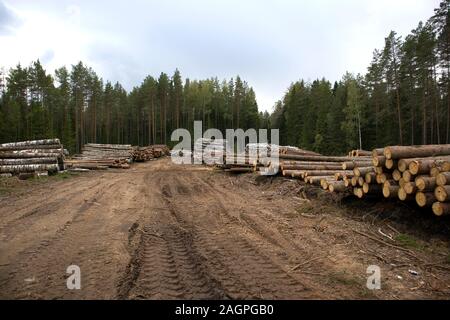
96,156
31,158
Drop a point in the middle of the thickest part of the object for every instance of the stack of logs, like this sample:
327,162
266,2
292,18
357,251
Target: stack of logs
332,173
407,173
102,156
148,153
31,158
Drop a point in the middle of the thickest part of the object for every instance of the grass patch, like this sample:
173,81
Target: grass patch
307,207
408,241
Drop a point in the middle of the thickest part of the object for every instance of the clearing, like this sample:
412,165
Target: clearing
163,231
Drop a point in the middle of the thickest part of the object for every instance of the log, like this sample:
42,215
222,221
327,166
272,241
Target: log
28,168
378,170
372,188
232,170
354,181
5,175
422,166
337,186
403,164
361,181
441,166
399,152
401,182
289,173
317,166
358,192
314,158
28,161
325,172
350,165
390,191
31,143
384,177
441,208
27,147
425,199
403,196
379,161
379,178
425,183
390,163
377,152
26,175
370,177
407,176
443,179
435,171
442,193
396,175
10,155
304,163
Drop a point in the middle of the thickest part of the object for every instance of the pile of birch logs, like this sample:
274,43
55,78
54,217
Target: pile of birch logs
31,158
148,153
102,156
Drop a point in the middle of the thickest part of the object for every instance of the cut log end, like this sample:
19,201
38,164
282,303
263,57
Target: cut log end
441,209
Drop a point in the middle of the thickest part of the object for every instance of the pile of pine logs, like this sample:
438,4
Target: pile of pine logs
148,153
102,156
31,158
209,148
415,173
418,174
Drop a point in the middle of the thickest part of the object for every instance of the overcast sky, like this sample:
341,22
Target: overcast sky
268,43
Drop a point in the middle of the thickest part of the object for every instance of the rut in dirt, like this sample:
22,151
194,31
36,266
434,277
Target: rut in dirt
186,251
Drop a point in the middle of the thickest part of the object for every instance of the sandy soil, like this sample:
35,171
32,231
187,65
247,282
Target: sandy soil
162,231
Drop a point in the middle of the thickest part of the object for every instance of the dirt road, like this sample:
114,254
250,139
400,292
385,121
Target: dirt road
162,231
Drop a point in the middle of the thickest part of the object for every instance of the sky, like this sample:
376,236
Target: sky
268,43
